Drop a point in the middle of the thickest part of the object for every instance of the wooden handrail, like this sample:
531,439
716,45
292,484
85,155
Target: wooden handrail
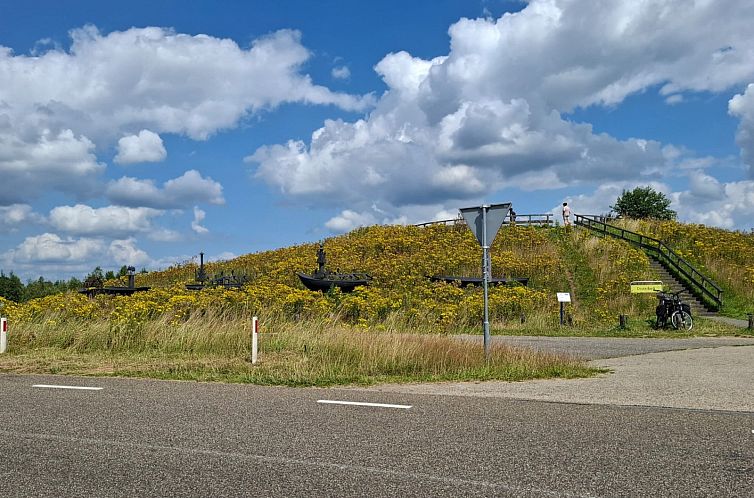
521,219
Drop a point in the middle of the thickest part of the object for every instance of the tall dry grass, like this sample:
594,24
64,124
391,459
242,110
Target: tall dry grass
292,353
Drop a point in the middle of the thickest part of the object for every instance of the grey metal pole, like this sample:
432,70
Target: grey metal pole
485,271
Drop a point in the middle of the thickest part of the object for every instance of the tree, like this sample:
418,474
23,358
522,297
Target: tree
95,279
74,284
42,287
643,202
11,287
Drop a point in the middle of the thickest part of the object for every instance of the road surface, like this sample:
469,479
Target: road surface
151,438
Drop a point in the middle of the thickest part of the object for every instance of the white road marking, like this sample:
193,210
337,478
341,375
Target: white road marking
357,403
46,386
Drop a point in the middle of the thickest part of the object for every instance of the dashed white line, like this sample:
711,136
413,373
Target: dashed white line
358,403
83,388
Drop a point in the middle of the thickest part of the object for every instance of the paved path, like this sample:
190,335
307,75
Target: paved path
592,348
730,321
717,375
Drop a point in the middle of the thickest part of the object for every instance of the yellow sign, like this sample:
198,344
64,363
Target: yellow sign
646,287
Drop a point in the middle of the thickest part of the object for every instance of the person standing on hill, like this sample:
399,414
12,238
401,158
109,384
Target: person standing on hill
566,214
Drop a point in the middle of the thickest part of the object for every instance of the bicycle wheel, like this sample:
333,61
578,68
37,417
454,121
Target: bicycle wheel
681,320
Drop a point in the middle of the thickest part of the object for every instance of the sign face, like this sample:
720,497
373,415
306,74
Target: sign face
564,297
646,287
496,213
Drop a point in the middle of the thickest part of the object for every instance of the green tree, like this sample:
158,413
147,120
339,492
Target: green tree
11,287
643,202
74,284
95,279
42,287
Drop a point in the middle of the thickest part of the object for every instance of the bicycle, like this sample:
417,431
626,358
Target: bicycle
671,309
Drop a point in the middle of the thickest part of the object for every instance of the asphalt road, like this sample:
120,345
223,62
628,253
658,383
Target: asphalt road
151,438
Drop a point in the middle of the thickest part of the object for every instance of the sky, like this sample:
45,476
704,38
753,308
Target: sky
143,132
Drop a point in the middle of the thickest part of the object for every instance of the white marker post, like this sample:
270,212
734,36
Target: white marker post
3,334
254,339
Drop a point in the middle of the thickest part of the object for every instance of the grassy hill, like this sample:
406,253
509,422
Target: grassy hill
392,330
400,258
596,271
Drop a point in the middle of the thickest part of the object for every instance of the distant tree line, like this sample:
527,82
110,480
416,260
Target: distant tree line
12,288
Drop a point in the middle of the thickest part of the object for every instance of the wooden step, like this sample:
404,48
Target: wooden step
668,279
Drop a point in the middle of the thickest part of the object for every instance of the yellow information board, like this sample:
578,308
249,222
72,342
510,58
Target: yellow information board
646,287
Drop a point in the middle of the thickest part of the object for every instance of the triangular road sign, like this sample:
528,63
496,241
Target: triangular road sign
496,213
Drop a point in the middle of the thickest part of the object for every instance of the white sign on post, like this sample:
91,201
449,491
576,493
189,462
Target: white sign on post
564,297
484,222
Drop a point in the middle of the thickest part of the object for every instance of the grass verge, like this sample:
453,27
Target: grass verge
292,354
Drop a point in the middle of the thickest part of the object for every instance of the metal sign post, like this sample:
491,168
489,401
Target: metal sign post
485,221
486,280
563,297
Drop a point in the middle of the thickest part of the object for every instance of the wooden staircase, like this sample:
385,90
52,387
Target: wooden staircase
697,306
697,289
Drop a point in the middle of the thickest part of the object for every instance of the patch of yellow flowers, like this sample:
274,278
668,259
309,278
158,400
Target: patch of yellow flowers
399,258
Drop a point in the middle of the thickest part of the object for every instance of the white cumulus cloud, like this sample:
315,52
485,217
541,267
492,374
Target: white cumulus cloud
57,105
33,161
58,257
16,215
742,106
196,225
51,248
111,220
125,252
145,147
348,220
492,113
341,73
165,81
181,192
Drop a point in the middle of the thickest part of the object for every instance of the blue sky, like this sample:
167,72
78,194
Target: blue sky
143,133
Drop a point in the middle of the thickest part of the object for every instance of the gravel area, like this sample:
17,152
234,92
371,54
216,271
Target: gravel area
712,376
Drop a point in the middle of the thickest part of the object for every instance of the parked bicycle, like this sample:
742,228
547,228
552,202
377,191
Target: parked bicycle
671,310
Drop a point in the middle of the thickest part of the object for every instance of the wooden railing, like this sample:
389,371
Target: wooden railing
545,219
703,286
